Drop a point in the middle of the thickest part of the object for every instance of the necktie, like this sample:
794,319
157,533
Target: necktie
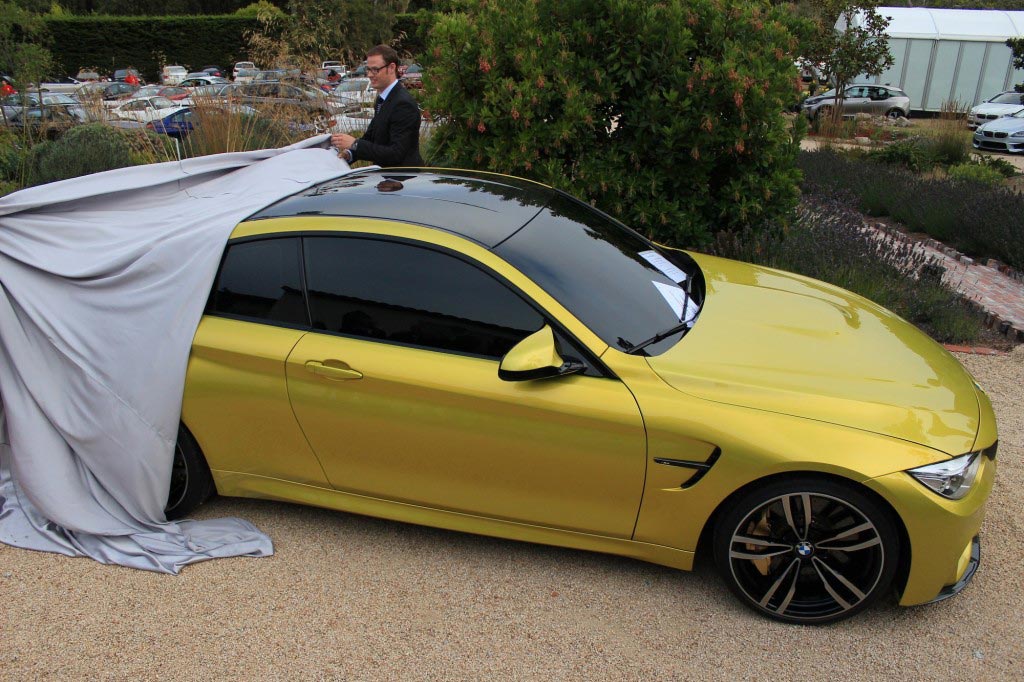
377,104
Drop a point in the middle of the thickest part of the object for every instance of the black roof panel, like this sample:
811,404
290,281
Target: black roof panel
484,207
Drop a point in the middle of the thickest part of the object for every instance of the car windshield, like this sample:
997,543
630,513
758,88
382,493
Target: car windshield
162,103
1008,98
148,91
622,287
827,93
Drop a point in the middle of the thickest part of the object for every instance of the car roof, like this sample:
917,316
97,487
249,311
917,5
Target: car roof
484,207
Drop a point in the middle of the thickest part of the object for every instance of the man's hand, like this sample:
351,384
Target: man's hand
342,141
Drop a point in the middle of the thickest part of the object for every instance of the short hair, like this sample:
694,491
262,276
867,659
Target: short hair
387,53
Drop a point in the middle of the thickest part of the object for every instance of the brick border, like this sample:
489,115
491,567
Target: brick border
973,350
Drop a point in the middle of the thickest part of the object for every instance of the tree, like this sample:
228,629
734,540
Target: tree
1017,46
666,115
858,46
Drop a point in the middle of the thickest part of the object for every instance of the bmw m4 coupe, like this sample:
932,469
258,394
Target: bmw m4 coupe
489,355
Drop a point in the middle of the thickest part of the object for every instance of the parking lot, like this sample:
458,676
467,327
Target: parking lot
350,597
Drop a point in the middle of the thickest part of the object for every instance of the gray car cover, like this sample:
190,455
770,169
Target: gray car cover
103,281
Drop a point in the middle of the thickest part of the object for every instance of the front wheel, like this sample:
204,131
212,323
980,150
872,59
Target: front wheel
191,482
807,550
893,114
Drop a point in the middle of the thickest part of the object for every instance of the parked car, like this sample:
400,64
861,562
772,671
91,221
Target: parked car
59,84
309,100
210,92
1003,104
121,75
145,109
89,76
355,91
181,123
109,93
173,93
239,66
12,104
486,354
337,66
411,76
213,70
194,81
878,100
1005,134
50,122
278,75
173,75
246,75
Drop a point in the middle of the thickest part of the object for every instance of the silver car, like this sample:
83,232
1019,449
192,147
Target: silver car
1005,134
877,100
1003,104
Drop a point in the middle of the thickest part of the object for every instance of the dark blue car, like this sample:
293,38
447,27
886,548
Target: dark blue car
179,124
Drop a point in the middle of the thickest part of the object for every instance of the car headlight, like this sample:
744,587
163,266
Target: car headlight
952,479
1019,133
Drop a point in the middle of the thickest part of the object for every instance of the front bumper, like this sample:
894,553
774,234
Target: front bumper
991,141
973,561
942,533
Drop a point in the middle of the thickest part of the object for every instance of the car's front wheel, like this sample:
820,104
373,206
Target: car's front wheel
894,113
807,550
191,482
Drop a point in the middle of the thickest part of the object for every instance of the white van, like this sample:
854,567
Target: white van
239,66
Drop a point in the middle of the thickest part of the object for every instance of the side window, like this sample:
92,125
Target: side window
261,280
407,294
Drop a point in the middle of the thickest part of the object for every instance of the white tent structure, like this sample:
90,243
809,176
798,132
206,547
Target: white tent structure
942,55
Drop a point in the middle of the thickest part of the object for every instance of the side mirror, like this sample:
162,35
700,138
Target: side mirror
536,357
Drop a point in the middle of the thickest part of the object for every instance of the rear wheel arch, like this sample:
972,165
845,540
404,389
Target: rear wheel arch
191,482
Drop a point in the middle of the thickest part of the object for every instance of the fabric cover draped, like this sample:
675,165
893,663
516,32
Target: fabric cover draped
103,281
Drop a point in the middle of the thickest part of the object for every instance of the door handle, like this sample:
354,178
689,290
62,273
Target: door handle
335,370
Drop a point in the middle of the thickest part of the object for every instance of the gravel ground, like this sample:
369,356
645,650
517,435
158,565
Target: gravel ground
349,597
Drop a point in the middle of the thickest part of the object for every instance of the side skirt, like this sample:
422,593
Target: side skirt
233,484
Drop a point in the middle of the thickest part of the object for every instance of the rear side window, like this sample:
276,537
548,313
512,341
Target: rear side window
406,294
261,280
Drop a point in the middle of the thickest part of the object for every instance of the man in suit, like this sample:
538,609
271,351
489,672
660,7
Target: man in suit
393,137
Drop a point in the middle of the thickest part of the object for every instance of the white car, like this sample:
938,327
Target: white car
337,66
146,109
194,81
172,75
1003,104
239,66
354,122
355,91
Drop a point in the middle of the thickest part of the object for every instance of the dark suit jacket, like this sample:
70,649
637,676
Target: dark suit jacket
393,137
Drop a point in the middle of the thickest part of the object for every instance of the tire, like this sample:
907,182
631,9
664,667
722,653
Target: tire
191,482
893,114
810,573
823,112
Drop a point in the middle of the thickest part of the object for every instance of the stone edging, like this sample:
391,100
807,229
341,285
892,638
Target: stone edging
973,350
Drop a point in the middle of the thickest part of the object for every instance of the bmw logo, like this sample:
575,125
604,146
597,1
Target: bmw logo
805,549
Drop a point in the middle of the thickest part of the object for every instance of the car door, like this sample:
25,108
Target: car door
236,395
856,101
397,391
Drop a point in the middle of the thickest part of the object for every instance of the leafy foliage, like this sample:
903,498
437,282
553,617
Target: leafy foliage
976,172
88,149
332,28
827,241
984,222
665,115
22,34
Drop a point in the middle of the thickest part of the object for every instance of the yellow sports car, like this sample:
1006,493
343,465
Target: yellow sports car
486,354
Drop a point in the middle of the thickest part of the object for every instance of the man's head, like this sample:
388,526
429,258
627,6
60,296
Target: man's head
382,66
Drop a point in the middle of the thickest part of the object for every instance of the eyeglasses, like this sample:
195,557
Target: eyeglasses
374,70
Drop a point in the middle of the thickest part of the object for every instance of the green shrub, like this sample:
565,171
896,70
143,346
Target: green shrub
12,158
1001,166
974,172
826,240
907,153
665,114
950,146
83,149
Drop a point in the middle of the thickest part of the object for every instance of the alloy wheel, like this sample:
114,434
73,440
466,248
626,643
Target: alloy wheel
806,557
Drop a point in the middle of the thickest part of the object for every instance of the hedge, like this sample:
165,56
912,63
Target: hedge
109,43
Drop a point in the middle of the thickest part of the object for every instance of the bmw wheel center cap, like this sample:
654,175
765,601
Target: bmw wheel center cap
804,549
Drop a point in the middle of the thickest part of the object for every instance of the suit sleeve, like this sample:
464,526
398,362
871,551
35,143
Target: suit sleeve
404,126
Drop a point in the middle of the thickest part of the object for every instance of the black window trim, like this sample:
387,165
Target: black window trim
589,357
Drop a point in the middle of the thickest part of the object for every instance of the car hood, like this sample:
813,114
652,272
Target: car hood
776,341
997,109
1004,125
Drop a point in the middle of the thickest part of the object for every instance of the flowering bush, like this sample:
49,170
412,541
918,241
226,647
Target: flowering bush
666,115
